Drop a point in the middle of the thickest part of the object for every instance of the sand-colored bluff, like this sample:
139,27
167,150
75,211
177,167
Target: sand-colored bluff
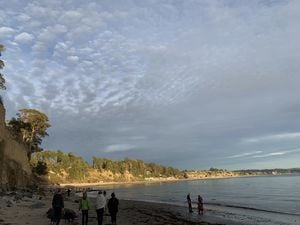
14,167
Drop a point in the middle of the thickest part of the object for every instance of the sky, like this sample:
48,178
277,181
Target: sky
185,83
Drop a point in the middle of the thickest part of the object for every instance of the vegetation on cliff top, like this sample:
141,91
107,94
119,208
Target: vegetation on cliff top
2,79
30,126
62,167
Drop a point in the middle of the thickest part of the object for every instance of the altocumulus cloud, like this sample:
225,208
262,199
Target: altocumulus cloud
191,84
24,37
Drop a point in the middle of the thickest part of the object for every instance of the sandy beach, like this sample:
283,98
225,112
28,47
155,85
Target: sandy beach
19,209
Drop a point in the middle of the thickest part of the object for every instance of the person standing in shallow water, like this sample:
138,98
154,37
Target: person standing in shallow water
58,206
188,198
200,205
113,204
84,206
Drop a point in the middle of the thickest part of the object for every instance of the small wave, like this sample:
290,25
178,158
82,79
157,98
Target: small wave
252,208
150,195
290,200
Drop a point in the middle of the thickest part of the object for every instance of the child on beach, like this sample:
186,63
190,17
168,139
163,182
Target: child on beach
200,205
84,206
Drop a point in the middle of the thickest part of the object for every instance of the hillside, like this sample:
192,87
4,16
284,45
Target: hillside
60,167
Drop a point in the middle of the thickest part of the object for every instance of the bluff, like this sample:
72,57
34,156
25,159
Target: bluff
15,171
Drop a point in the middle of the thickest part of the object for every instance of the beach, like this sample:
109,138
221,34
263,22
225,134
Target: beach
20,209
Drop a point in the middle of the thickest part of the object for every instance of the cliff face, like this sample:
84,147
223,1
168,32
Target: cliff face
15,170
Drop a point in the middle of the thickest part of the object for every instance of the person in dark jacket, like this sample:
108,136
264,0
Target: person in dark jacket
69,192
112,205
58,206
188,198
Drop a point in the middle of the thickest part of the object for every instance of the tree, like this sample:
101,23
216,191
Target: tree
32,125
16,126
40,168
2,80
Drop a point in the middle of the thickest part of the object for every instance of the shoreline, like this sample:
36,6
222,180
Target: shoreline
155,180
107,183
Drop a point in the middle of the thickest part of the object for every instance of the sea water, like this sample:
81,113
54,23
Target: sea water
269,197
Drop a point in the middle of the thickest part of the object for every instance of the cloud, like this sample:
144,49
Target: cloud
71,17
24,37
275,137
6,32
118,148
247,154
73,59
281,153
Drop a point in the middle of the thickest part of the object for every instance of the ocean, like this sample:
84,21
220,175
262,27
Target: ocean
254,200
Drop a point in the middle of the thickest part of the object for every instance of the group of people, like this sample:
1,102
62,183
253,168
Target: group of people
101,204
199,204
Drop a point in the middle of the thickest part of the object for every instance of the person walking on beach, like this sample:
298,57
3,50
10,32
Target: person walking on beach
100,205
84,206
112,205
57,206
69,192
188,198
200,205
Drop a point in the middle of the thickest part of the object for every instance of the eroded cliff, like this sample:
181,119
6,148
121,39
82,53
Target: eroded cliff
15,171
